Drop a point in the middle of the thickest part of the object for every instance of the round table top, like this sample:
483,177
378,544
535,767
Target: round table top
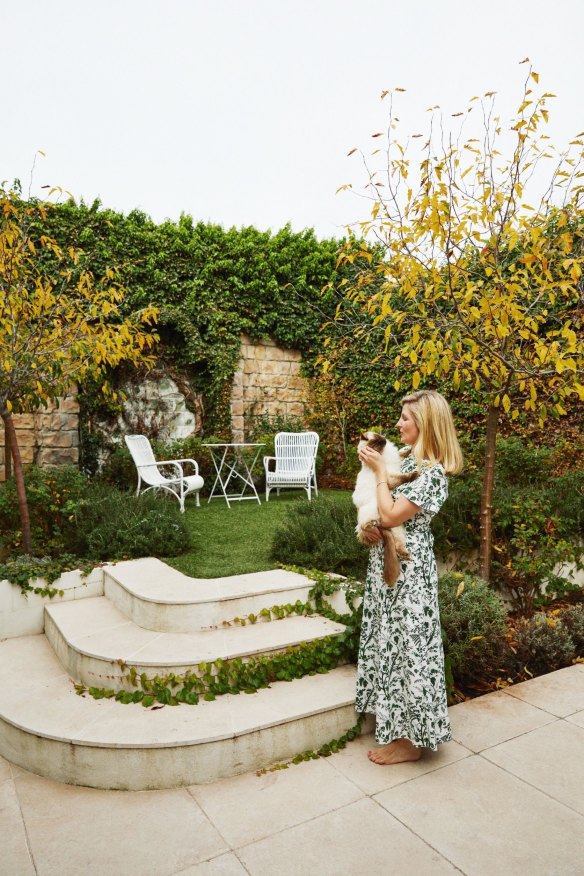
235,444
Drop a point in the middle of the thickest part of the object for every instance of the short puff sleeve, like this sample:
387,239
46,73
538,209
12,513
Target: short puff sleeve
429,490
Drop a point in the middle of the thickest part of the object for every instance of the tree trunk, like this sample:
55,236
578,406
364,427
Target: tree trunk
19,480
7,458
486,542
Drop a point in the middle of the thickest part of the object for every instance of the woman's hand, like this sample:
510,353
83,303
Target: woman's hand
373,459
370,536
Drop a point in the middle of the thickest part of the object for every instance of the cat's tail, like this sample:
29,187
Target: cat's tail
391,565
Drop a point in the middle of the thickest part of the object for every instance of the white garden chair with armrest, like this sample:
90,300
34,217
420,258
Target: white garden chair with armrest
149,474
295,462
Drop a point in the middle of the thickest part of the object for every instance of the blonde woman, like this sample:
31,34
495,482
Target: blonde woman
400,676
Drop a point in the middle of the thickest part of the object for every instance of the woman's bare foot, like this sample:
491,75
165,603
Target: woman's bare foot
398,751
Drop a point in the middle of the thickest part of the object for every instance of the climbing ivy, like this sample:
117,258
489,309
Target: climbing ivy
325,750
216,678
25,570
210,285
234,676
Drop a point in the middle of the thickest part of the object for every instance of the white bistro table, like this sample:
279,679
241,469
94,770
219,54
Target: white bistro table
230,466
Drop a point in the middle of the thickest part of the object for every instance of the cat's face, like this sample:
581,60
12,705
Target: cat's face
373,440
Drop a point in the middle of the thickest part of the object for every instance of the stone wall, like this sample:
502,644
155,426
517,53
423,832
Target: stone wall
267,382
48,437
156,407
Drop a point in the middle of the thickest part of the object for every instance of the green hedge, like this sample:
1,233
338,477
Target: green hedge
538,519
211,284
90,520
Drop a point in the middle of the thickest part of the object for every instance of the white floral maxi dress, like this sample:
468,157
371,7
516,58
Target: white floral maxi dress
400,676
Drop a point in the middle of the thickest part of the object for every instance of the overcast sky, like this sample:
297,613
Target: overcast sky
242,113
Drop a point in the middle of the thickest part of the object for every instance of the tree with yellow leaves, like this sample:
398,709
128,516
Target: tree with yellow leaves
476,285
58,322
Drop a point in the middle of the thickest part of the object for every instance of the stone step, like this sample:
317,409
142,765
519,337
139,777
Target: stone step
158,597
47,728
92,639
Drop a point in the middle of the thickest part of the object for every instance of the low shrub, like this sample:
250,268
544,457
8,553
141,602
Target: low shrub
543,644
52,496
538,520
110,524
321,535
92,520
474,625
573,619
119,469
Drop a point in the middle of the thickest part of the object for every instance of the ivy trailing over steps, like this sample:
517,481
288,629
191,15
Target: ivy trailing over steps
331,747
25,570
235,676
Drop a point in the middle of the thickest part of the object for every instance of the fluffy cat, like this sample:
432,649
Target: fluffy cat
365,500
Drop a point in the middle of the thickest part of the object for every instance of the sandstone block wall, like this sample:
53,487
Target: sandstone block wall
267,382
48,437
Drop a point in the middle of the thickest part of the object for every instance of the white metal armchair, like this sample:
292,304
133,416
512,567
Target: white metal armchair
295,462
150,476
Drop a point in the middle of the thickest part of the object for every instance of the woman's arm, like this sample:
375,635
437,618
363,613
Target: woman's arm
391,513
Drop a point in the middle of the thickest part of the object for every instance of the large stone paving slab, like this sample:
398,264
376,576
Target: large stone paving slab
273,801
15,858
75,831
551,758
578,718
492,719
488,822
224,865
372,778
359,839
561,693
5,774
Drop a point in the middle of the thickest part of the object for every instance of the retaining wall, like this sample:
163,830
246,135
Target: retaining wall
267,382
50,436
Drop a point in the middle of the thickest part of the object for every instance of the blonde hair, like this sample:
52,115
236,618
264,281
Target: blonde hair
437,441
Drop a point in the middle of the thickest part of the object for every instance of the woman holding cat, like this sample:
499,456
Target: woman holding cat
400,677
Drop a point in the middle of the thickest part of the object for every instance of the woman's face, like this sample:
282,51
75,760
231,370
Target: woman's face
407,426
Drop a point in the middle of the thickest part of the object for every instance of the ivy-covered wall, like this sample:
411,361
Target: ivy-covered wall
212,285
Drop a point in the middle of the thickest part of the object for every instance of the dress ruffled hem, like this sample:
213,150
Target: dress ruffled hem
427,737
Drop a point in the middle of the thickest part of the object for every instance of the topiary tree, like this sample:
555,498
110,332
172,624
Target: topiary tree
58,322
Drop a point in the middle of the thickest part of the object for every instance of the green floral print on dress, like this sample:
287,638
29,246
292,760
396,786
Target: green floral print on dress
400,676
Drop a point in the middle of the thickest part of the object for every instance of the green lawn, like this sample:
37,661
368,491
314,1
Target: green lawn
232,541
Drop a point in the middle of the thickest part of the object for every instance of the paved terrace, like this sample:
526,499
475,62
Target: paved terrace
506,797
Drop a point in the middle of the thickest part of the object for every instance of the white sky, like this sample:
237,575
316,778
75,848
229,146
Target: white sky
242,112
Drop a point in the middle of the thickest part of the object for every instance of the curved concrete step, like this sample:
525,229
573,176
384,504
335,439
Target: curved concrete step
46,728
91,637
157,597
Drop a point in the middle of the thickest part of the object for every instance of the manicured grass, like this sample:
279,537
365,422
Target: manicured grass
236,540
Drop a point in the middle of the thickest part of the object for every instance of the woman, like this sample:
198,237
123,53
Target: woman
400,676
